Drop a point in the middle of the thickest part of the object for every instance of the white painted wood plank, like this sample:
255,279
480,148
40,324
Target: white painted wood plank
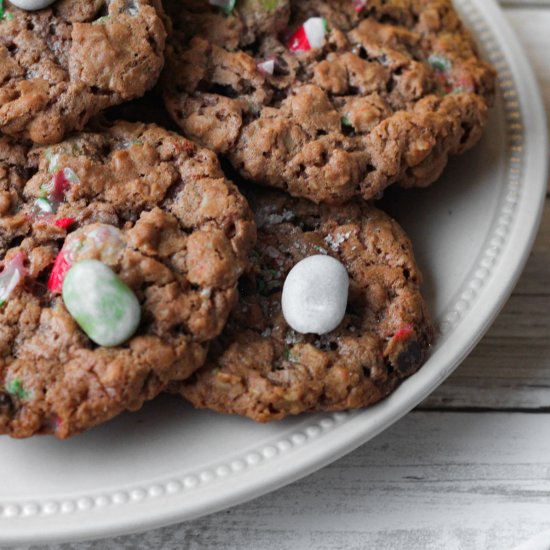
434,481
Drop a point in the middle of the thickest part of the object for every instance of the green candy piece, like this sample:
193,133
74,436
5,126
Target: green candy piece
15,387
439,62
270,5
346,122
104,307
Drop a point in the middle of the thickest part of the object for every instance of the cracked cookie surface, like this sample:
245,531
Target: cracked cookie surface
155,208
260,368
396,88
62,65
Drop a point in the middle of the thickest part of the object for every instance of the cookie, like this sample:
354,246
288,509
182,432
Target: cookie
60,66
14,172
260,368
340,99
157,215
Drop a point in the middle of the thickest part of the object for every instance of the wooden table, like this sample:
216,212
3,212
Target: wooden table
469,469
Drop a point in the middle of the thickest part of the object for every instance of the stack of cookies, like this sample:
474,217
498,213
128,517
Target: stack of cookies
187,198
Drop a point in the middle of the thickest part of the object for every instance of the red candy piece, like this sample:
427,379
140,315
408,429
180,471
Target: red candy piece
359,5
64,223
299,42
57,422
57,276
464,84
403,333
311,35
444,85
60,184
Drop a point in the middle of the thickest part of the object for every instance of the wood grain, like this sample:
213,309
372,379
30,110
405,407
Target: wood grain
524,3
433,481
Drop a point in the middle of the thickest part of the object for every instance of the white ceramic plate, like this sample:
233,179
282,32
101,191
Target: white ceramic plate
472,234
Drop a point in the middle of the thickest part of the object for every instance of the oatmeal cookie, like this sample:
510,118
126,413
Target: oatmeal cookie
60,66
157,211
14,172
260,368
328,99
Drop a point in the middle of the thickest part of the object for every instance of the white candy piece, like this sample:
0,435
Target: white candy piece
32,5
316,30
315,295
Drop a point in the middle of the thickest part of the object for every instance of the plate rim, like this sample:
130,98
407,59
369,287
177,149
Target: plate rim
255,475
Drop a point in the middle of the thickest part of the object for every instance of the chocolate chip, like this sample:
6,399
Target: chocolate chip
6,404
246,286
410,358
281,67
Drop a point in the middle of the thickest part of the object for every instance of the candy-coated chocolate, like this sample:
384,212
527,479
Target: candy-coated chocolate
103,306
32,5
315,295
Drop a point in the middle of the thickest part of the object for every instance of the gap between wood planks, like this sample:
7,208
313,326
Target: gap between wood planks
430,482
524,4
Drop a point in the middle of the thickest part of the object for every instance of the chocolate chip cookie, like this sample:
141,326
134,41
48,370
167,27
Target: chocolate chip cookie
61,65
157,211
259,367
327,99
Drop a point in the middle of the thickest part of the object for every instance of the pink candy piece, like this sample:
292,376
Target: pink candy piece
403,333
60,185
359,5
11,275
